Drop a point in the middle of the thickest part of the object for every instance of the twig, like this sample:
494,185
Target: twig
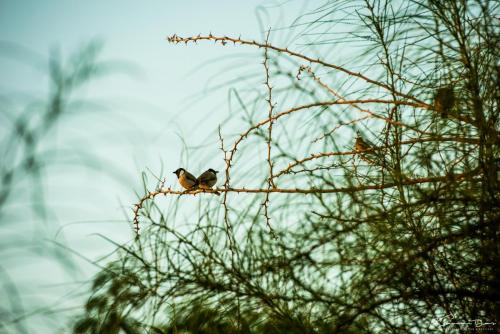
270,180
338,126
229,228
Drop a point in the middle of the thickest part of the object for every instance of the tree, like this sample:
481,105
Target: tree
396,231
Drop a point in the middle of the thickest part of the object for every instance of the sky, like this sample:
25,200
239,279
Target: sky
140,119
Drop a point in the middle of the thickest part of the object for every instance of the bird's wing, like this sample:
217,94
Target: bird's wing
206,177
191,177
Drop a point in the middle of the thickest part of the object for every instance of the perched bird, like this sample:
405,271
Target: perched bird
444,100
186,179
361,144
372,156
208,179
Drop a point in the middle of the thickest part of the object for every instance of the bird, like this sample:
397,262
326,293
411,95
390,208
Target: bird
361,144
187,180
208,179
372,157
444,99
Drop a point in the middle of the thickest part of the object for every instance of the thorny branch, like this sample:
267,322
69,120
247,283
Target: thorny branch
407,182
229,229
177,39
270,179
225,39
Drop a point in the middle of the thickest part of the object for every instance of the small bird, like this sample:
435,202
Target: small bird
208,179
361,144
372,157
186,179
444,100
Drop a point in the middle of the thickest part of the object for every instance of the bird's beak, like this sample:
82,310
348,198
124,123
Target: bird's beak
173,173
216,171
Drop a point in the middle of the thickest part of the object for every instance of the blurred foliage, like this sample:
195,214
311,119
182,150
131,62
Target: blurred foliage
30,150
401,246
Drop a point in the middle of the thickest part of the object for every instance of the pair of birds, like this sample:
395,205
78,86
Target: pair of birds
205,181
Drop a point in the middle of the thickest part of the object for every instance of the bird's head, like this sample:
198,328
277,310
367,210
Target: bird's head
212,171
179,171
